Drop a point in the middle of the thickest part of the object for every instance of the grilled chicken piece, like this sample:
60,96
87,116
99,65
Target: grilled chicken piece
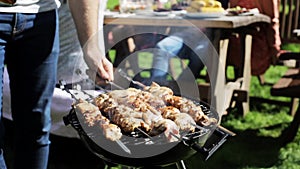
158,91
195,111
151,118
89,111
123,96
93,117
136,99
127,118
168,128
111,131
103,101
151,100
183,120
129,124
169,112
85,107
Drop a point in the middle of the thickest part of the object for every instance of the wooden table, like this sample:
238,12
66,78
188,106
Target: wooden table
173,20
221,90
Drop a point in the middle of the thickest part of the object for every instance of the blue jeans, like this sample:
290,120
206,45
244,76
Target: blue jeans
168,47
29,46
174,46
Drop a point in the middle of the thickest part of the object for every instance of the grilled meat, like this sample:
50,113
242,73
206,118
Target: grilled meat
160,92
195,111
168,128
184,121
93,117
127,118
111,131
154,110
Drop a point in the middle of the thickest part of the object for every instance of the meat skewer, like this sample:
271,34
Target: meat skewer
139,116
184,105
168,128
153,110
189,107
127,118
93,117
183,120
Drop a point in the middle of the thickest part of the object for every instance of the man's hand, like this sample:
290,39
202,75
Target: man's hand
99,65
85,14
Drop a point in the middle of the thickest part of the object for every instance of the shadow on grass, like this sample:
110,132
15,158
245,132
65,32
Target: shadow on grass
246,149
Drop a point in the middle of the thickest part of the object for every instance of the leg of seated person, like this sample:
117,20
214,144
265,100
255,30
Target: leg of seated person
195,65
167,48
196,57
122,51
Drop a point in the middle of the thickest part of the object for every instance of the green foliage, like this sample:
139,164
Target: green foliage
111,4
295,47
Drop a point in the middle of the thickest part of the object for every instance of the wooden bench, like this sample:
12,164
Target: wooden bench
289,86
289,20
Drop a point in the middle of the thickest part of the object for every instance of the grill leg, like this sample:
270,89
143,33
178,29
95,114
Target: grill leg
122,167
180,165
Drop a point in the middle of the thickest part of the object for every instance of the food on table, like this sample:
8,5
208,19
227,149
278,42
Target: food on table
162,10
154,110
167,6
237,10
205,6
131,6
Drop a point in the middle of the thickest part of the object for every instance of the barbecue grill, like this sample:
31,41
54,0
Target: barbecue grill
137,149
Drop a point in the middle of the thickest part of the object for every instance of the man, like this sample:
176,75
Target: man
29,47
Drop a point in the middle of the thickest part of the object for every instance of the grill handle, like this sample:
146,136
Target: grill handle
66,120
214,142
207,152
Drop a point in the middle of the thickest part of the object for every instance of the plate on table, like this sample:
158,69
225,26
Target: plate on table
144,12
204,14
241,11
162,13
179,12
110,13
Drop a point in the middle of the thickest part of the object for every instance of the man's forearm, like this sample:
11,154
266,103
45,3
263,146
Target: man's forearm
85,15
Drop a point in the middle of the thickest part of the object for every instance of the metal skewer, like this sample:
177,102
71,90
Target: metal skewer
144,133
123,74
174,135
62,86
122,145
114,84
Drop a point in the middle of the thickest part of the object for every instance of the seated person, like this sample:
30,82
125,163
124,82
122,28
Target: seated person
185,43
119,40
188,44
126,40
266,41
